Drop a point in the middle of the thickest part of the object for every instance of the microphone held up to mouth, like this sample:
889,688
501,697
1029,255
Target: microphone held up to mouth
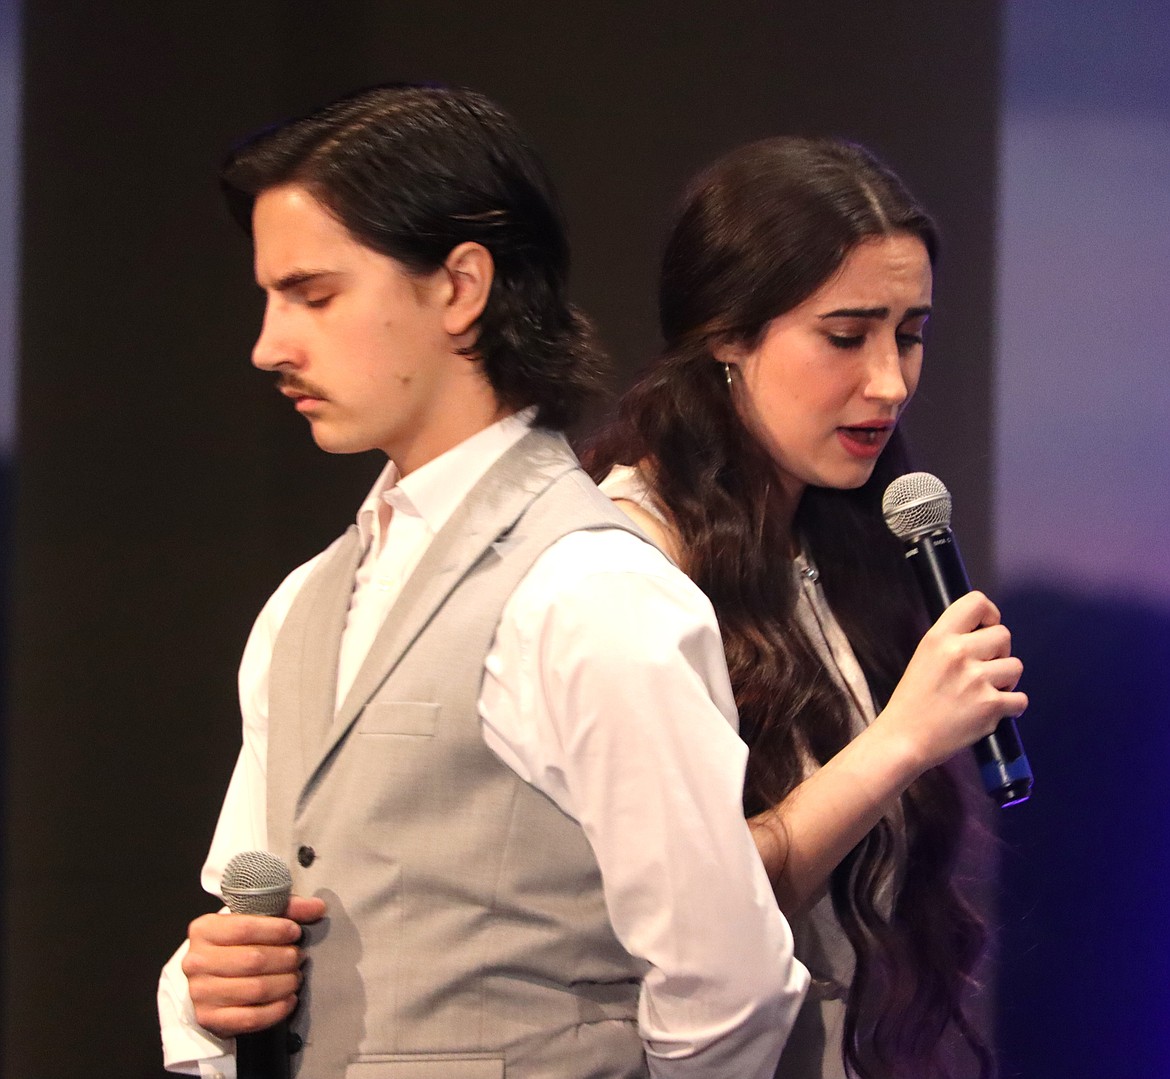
917,509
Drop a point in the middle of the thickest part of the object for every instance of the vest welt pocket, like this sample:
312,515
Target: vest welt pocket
410,717
418,718
429,1066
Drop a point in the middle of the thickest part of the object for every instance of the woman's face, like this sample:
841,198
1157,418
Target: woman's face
825,385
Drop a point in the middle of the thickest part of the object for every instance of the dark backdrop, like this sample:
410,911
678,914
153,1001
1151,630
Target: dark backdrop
165,489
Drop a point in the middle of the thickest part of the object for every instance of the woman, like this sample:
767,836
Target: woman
796,285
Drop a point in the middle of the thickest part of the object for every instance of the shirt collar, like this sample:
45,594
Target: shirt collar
433,491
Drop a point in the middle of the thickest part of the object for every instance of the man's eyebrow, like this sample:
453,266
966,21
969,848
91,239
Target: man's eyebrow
297,278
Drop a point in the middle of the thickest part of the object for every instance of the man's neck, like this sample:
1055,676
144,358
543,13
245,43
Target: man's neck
445,435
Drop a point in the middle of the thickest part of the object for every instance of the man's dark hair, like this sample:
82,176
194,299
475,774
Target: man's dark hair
414,171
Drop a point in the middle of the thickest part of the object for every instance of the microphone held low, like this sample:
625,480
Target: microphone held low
257,882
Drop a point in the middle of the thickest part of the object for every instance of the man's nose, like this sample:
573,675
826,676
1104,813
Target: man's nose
272,349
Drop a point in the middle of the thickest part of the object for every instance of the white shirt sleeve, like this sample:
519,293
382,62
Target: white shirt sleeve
187,1047
606,688
242,825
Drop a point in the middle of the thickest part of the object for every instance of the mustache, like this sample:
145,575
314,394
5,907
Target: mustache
291,384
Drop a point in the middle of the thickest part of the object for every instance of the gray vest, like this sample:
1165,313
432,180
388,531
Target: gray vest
467,935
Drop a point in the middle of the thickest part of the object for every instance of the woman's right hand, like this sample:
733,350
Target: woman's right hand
960,682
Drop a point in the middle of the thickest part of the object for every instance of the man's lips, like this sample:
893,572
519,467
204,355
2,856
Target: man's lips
298,392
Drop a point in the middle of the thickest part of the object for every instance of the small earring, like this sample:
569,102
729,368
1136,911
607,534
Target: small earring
727,374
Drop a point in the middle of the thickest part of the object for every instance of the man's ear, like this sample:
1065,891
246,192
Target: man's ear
470,271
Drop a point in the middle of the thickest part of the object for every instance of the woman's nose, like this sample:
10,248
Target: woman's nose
886,379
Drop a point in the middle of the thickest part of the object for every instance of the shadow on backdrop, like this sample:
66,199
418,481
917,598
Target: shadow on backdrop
1086,871
7,501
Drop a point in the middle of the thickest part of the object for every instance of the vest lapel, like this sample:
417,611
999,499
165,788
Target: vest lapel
302,683
480,523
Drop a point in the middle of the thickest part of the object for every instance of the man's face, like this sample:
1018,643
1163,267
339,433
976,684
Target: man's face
359,343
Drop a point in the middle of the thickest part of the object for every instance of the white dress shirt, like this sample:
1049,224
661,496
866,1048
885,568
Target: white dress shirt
820,939
606,689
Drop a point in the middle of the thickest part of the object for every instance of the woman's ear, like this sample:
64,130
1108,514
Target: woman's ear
470,272
729,352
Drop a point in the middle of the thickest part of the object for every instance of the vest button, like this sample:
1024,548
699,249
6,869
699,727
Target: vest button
306,856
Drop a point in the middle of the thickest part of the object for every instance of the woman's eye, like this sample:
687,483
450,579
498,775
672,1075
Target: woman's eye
317,302
845,341
907,341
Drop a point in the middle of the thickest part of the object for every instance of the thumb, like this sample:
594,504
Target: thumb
305,908
969,612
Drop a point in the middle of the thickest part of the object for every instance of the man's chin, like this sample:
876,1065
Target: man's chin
331,442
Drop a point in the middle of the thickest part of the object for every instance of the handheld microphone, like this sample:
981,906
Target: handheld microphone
256,882
917,509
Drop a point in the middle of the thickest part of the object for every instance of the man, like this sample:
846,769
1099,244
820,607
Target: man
490,727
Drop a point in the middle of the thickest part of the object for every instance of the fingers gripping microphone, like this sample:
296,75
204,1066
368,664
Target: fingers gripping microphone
917,509
256,882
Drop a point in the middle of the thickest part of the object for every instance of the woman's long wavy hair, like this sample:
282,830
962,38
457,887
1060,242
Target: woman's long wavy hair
755,235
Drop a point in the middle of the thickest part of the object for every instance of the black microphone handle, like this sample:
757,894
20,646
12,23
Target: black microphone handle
264,1054
1003,766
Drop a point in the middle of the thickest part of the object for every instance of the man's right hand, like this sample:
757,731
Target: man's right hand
243,970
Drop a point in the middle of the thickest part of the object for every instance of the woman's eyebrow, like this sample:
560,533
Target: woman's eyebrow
875,312
857,312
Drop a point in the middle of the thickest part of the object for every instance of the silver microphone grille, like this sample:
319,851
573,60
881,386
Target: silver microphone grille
256,882
915,504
